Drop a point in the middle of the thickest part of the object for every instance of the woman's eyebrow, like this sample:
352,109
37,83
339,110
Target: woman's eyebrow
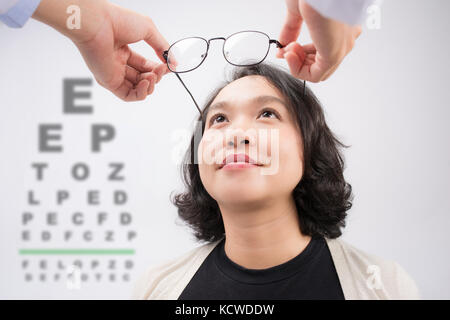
259,100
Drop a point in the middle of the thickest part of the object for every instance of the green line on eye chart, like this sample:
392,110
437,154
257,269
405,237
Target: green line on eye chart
76,251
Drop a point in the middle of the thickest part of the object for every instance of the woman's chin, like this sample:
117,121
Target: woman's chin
241,194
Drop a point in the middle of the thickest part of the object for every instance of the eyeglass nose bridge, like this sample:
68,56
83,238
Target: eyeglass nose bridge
217,38
208,43
166,52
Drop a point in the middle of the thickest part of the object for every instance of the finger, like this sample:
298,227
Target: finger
291,46
301,69
164,69
140,63
297,49
142,89
172,62
123,90
294,62
310,58
131,27
128,92
280,52
309,48
292,25
156,40
301,64
160,71
150,76
139,92
131,74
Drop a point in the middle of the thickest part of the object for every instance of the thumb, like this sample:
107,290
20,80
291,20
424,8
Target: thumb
156,40
292,25
130,27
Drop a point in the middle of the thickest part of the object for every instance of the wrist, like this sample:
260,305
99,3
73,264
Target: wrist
90,15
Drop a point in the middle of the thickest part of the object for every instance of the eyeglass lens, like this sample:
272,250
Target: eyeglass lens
246,48
241,49
186,54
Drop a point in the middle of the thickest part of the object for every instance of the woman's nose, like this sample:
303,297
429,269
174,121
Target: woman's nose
233,142
238,137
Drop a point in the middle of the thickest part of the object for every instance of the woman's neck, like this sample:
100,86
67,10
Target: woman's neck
264,236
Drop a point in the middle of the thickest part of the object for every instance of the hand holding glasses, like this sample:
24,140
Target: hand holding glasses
244,48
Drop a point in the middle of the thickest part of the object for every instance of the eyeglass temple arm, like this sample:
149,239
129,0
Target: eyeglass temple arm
178,76
165,54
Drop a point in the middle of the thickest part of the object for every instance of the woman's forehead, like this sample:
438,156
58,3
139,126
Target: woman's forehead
246,89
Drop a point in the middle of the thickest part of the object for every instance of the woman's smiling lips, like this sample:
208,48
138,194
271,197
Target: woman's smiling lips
238,165
238,161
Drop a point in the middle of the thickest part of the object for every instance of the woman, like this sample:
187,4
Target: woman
268,197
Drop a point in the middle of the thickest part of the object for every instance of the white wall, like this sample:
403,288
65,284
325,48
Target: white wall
388,100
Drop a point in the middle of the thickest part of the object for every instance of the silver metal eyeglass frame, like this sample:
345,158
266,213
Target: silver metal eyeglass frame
270,41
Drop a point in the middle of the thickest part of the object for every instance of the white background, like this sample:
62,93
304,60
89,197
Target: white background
388,100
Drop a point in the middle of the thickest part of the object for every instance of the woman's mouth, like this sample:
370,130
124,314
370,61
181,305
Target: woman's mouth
238,161
238,165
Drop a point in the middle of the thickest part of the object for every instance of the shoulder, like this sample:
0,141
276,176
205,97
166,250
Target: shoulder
159,281
369,276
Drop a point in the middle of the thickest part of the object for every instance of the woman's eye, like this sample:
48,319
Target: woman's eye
269,112
216,117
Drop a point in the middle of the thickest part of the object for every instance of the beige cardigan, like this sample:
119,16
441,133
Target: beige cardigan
362,276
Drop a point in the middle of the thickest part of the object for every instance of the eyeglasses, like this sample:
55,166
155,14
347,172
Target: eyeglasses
244,48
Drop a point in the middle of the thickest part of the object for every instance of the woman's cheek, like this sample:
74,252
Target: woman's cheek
290,154
210,149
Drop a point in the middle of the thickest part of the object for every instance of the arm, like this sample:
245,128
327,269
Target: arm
102,39
15,13
351,12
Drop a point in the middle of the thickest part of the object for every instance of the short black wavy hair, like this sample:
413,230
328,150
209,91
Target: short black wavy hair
322,196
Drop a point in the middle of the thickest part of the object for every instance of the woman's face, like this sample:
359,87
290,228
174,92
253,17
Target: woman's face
248,117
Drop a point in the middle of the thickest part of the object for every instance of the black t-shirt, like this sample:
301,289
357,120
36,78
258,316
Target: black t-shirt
309,275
